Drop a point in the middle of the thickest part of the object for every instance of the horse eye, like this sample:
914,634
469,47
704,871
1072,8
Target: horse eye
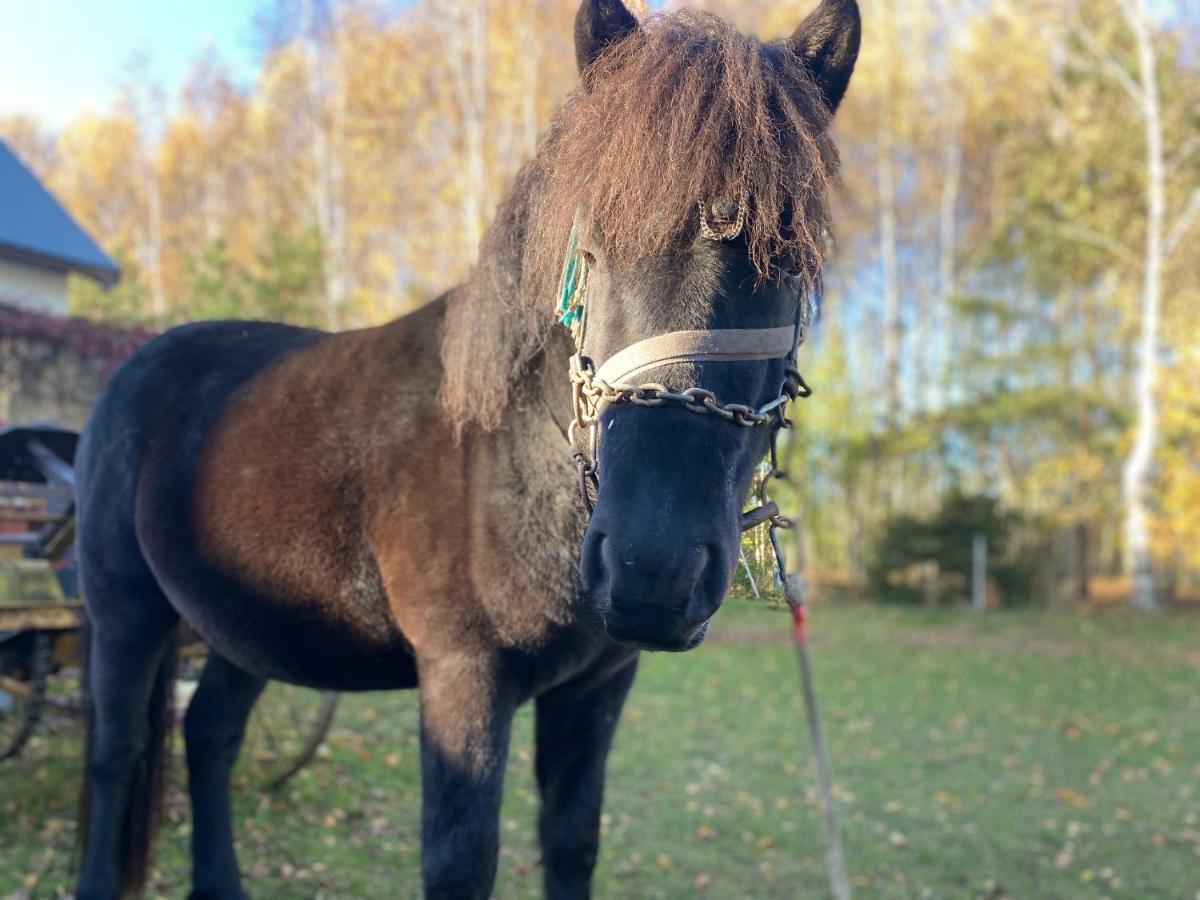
588,257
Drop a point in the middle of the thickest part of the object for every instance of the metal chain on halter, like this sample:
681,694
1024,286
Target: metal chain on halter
589,391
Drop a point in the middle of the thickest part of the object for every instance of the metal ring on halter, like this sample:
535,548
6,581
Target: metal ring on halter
726,231
774,404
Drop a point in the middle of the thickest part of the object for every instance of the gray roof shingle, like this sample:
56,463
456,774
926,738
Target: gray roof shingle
34,227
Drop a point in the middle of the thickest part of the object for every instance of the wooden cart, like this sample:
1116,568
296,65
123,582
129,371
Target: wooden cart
41,615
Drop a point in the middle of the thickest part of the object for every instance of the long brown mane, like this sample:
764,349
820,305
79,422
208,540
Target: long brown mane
685,110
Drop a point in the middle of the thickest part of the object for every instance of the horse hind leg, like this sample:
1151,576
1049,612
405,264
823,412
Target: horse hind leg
129,683
213,728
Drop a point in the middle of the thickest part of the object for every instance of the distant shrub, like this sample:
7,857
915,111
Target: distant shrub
928,561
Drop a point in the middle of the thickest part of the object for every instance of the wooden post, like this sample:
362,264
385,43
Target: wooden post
979,573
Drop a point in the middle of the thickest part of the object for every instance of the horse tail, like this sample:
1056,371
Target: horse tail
84,815
147,788
147,793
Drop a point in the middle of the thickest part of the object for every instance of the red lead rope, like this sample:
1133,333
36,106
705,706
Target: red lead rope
835,859
800,623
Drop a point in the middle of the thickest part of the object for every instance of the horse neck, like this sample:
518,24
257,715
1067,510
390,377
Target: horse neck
499,326
523,485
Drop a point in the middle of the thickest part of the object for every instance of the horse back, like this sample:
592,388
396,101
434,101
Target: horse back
248,462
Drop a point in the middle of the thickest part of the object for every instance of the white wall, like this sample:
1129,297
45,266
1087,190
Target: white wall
35,288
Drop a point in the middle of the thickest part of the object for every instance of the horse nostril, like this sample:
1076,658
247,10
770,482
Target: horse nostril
595,570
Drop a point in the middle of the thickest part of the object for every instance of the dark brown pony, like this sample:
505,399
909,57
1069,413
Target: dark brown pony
397,506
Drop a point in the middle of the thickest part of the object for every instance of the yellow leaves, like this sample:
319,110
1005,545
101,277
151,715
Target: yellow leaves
1176,528
97,176
1071,797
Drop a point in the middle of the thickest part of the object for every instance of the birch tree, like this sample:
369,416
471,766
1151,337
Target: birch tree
893,328
1143,89
463,25
145,104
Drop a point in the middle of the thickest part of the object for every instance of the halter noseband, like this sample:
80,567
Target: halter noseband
592,388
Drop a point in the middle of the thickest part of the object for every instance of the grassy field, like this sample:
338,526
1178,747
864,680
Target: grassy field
1020,755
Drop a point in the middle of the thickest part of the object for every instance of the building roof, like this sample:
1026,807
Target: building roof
35,229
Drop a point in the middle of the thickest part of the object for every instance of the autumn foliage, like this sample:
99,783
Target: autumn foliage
985,304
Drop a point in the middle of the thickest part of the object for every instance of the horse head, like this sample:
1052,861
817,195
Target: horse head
691,169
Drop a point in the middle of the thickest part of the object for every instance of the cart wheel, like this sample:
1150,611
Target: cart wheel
287,726
23,695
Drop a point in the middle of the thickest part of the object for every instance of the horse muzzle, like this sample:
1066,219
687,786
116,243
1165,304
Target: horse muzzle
653,591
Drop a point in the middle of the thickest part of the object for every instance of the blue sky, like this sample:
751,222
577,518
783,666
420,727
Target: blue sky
59,58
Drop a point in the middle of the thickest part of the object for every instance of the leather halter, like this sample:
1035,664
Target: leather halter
590,391
715,345
611,383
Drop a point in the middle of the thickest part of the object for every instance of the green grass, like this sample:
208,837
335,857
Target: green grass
1018,755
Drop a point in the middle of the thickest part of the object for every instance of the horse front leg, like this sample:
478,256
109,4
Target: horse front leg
575,727
467,705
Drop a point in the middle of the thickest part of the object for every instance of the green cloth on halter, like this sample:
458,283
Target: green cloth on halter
570,282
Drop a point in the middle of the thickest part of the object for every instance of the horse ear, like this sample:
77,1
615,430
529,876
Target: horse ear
827,41
598,24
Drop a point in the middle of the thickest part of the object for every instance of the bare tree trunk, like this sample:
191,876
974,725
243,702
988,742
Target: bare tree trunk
476,125
886,173
214,200
336,244
464,28
145,104
326,101
1082,561
467,34
892,326
530,59
152,246
1141,454
947,245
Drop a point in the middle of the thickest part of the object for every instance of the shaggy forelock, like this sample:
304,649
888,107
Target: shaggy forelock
684,111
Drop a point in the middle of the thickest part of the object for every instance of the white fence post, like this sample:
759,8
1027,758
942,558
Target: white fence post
979,573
